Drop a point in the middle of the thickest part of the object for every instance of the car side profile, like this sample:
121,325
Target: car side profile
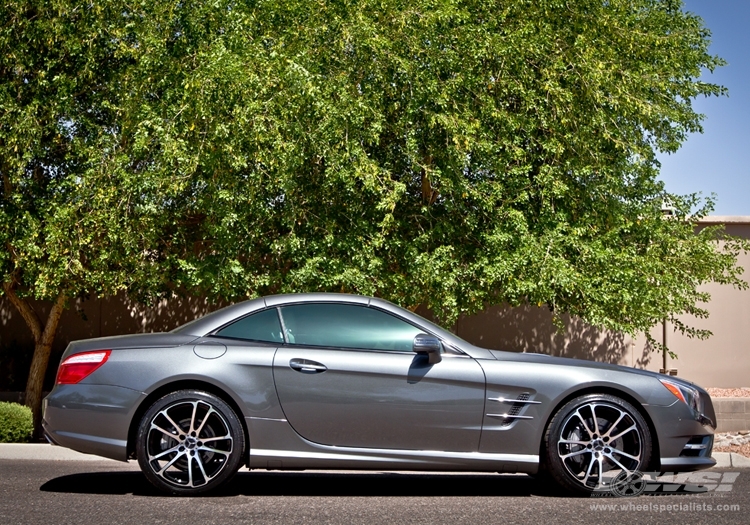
336,381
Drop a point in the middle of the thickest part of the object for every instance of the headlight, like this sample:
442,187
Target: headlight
690,396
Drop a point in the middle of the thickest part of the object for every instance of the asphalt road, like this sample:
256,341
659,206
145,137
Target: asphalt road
94,492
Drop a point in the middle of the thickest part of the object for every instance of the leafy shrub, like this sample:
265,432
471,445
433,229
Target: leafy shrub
16,423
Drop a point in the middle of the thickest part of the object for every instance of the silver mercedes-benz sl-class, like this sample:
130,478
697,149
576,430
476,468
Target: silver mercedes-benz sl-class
333,381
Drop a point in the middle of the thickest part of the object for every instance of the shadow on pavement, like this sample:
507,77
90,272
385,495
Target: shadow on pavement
315,484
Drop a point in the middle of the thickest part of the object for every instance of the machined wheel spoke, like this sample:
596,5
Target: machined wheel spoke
623,467
206,477
596,421
600,460
205,418
614,425
171,462
190,470
629,429
594,461
215,450
583,420
192,417
576,453
571,442
171,422
621,453
586,477
175,448
154,426
218,438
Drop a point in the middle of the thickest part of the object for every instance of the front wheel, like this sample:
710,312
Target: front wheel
595,442
189,442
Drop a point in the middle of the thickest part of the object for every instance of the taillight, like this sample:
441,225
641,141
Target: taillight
77,367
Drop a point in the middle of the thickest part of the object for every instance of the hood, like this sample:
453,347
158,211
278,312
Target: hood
582,363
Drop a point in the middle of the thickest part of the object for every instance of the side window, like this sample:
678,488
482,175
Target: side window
263,326
347,326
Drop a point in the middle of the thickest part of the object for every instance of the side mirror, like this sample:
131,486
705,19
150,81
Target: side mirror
428,345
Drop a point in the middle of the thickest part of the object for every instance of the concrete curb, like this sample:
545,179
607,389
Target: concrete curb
46,452
730,460
723,459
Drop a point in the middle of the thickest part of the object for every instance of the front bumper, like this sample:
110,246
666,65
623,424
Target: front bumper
685,438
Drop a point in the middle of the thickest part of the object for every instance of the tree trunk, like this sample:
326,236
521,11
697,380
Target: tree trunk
39,363
43,339
35,384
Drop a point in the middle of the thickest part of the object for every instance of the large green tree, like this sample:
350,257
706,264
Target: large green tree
75,217
450,153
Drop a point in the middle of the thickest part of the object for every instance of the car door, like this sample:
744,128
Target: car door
348,377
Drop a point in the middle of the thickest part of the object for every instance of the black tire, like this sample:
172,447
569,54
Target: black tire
583,453
189,442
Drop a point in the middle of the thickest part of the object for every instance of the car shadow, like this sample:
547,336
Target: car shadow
316,484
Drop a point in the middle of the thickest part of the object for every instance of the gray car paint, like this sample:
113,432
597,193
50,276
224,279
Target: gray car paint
382,399
329,424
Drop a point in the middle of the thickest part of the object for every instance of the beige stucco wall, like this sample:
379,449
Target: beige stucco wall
721,361
103,317
530,329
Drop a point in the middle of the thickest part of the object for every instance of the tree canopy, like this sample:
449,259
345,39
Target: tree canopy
75,217
449,153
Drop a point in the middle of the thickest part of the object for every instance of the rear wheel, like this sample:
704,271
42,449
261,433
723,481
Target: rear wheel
189,442
596,443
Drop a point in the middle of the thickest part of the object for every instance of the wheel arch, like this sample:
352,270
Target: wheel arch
185,384
613,391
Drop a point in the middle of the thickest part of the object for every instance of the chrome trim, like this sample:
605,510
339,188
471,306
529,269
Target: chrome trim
387,455
96,439
695,446
508,416
507,400
267,419
451,351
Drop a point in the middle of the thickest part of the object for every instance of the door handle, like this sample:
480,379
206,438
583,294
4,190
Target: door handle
307,366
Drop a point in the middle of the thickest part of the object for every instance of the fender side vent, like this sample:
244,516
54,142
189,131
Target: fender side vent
515,409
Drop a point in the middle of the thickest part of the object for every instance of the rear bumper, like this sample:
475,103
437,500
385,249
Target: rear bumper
93,419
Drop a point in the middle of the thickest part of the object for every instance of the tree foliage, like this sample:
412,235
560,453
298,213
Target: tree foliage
448,153
72,221
451,153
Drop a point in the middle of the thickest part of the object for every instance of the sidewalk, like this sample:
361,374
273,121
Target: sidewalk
44,452
47,452
730,460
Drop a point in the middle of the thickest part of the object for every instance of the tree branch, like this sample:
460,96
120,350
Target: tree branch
53,319
27,312
7,186
429,194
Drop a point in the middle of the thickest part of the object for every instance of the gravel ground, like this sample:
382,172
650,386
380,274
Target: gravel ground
737,442
729,392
